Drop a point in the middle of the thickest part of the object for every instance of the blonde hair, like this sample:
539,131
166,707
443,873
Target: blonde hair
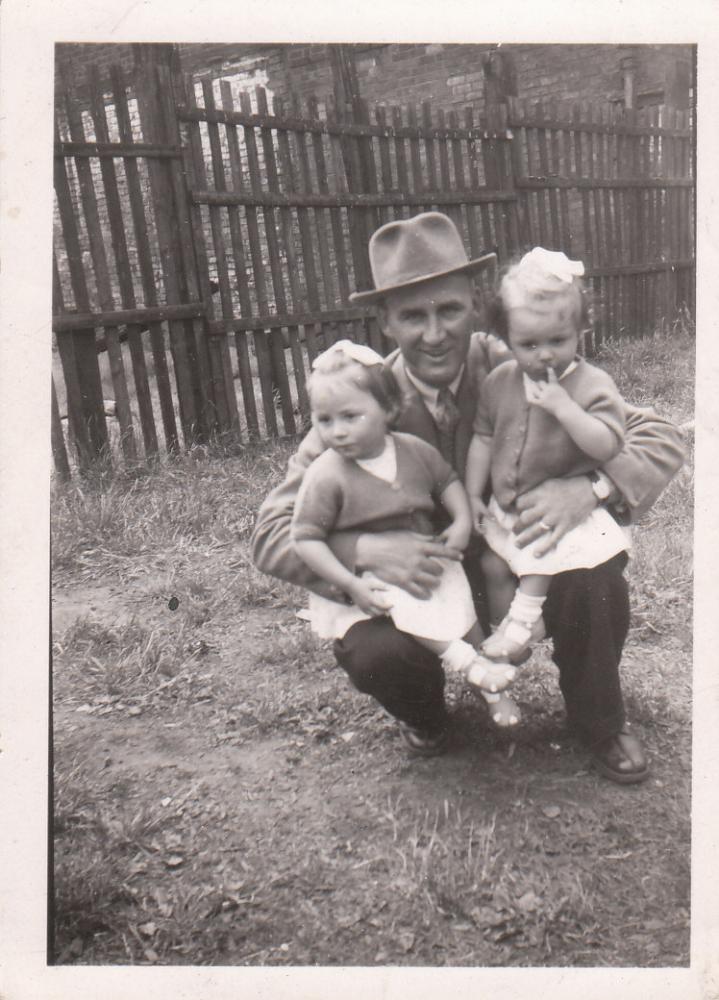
376,379
540,280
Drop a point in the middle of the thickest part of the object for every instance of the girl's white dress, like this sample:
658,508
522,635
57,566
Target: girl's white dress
591,543
446,615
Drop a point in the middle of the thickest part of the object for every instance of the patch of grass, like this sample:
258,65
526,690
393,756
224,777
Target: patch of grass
657,370
200,499
132,664
306,835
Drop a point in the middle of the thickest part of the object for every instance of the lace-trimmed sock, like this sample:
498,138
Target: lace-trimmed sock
458,656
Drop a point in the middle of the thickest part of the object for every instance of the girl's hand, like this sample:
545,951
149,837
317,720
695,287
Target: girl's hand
366,592
456,536
550,395
479,510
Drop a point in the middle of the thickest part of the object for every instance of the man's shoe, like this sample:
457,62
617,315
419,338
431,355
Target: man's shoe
424,742
621,758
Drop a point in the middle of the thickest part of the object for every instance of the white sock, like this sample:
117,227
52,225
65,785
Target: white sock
526,607
458,655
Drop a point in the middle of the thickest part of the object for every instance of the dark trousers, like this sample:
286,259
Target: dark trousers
587,617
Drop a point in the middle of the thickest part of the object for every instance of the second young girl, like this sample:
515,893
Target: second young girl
546,414
372,479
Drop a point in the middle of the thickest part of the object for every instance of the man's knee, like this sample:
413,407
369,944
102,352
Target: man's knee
370,650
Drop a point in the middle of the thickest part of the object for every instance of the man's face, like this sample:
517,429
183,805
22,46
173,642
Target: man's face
431,324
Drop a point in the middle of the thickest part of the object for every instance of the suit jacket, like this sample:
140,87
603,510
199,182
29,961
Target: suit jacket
651,455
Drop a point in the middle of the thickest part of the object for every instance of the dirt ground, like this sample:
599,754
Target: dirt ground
307,836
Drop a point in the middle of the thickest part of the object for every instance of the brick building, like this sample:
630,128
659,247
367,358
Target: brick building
450,74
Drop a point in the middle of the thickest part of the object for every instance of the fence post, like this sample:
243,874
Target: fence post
500,85
179,267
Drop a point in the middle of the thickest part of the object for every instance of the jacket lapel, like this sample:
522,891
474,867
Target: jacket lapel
415,418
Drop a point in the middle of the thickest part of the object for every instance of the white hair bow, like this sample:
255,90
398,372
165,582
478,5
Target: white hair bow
360,353
554,263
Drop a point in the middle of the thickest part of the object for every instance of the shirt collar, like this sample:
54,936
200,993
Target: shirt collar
430,392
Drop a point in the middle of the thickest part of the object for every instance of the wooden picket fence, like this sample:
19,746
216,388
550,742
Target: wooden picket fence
614,188
207,241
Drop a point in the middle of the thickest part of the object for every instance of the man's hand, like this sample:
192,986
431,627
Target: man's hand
404,558
552,509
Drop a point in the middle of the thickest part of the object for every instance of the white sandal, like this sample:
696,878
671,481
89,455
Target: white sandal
503,709
481,667
513,639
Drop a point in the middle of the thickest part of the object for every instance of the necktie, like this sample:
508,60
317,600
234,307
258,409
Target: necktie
446,418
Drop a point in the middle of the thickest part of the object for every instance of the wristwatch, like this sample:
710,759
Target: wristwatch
601,487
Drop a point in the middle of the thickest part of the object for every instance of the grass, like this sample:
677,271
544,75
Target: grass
223,796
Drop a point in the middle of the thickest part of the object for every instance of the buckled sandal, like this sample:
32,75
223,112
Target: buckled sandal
512,640
489,676
503,709
424,742
611,754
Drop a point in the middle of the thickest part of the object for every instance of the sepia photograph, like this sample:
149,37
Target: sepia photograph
334,339
349,339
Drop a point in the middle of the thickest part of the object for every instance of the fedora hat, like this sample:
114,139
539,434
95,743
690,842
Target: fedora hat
409,251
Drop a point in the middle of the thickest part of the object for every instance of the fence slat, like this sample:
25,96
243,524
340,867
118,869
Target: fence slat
358,234
84,354
338,230
293,265
96,241
400,153
79,434
277,345
165,219
560,168
288,241
416,180
312,333
265,358
453,211
335,214
117,223
169,85
147,277
218,351
475,242
239,251
57,438
385,163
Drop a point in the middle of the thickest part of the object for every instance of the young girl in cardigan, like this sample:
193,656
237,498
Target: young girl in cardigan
373,479
546,414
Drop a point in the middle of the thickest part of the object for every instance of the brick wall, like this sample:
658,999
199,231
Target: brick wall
450,75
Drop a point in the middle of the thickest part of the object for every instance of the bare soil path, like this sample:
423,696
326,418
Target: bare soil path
272,817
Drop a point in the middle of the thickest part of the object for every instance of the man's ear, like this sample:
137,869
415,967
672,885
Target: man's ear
478,303
381,314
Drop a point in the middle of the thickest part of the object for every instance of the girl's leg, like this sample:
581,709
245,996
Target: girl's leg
535,585
500,583
523,622
461,656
